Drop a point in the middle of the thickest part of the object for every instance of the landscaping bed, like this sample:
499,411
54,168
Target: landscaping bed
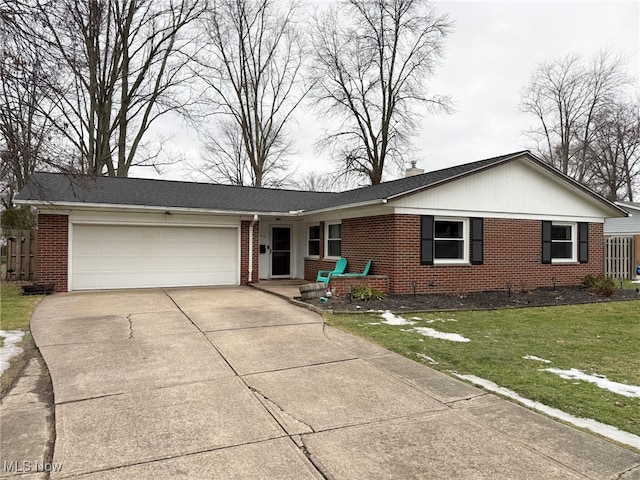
479,300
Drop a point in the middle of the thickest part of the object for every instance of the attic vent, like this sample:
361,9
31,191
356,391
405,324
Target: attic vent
410,172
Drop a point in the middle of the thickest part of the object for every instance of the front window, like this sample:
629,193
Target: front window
450,241
563,242
313,245
334,240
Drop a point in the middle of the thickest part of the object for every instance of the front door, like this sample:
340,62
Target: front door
281,251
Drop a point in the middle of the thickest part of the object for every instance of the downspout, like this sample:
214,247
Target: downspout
251,225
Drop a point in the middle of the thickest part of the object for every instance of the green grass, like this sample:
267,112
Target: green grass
599,339
16,309
15,314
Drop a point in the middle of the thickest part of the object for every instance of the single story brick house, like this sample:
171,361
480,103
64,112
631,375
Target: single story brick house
507,220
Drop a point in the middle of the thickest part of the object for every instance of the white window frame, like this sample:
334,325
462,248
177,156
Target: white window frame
574,242
326,239
317,225
465,242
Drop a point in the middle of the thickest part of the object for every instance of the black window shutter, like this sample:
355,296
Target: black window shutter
477,240
583,237
426,235
546,241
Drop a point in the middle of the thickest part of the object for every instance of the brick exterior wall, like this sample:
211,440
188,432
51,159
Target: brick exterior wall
53,250
244,252
512,255
341,285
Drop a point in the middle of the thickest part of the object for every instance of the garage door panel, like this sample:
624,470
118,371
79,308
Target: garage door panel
109,256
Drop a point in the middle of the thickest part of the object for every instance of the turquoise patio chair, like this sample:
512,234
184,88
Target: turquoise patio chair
325,275
364,273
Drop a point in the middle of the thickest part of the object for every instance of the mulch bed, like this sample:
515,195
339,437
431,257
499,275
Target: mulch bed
478,300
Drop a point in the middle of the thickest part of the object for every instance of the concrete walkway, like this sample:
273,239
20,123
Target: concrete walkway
237,383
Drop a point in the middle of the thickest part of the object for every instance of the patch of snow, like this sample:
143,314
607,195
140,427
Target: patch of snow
537,359
373,323
587,423
9,349
391,319
601,381
415,318
433,333
442,320
427,358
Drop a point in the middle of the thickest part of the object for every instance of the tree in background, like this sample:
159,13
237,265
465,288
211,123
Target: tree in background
573,101
119,67
26,133
252,67
371,65
614,153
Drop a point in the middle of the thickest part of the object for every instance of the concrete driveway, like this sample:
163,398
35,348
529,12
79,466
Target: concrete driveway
236,383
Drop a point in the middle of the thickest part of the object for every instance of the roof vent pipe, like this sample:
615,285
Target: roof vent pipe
410,172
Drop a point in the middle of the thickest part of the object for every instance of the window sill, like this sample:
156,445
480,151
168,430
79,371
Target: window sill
312,257
451,263
331,259
568,261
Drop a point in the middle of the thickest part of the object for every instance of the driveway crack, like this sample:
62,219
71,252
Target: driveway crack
317,464
288,422
130,326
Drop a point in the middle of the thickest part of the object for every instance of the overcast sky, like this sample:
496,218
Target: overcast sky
490,56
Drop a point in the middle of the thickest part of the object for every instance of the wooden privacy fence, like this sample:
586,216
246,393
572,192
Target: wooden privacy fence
21,254
619,261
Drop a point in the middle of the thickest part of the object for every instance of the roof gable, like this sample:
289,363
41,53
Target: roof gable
518,188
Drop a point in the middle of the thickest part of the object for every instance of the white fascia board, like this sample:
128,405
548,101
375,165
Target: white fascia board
505,215
368,203
142,208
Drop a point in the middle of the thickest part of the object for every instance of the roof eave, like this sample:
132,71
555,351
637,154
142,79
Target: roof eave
368,203
153,208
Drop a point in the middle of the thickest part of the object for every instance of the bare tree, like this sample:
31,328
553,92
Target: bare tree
320,182
614,153
120,65
26,136
252,70
226,160
372,61
566,96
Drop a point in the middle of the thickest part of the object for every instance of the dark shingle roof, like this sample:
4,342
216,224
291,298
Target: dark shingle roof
59,188
63,189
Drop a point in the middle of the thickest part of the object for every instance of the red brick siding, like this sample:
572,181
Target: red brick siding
512,255
244,252
53,250
341,285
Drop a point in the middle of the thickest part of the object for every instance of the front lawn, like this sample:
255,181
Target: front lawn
597,339
15,314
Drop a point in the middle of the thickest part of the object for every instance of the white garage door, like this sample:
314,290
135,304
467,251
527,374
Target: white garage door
108,256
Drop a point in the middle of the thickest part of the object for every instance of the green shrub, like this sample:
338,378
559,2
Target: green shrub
365,293
600,285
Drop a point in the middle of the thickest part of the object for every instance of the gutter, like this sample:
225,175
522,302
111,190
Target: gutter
368,203
155,208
